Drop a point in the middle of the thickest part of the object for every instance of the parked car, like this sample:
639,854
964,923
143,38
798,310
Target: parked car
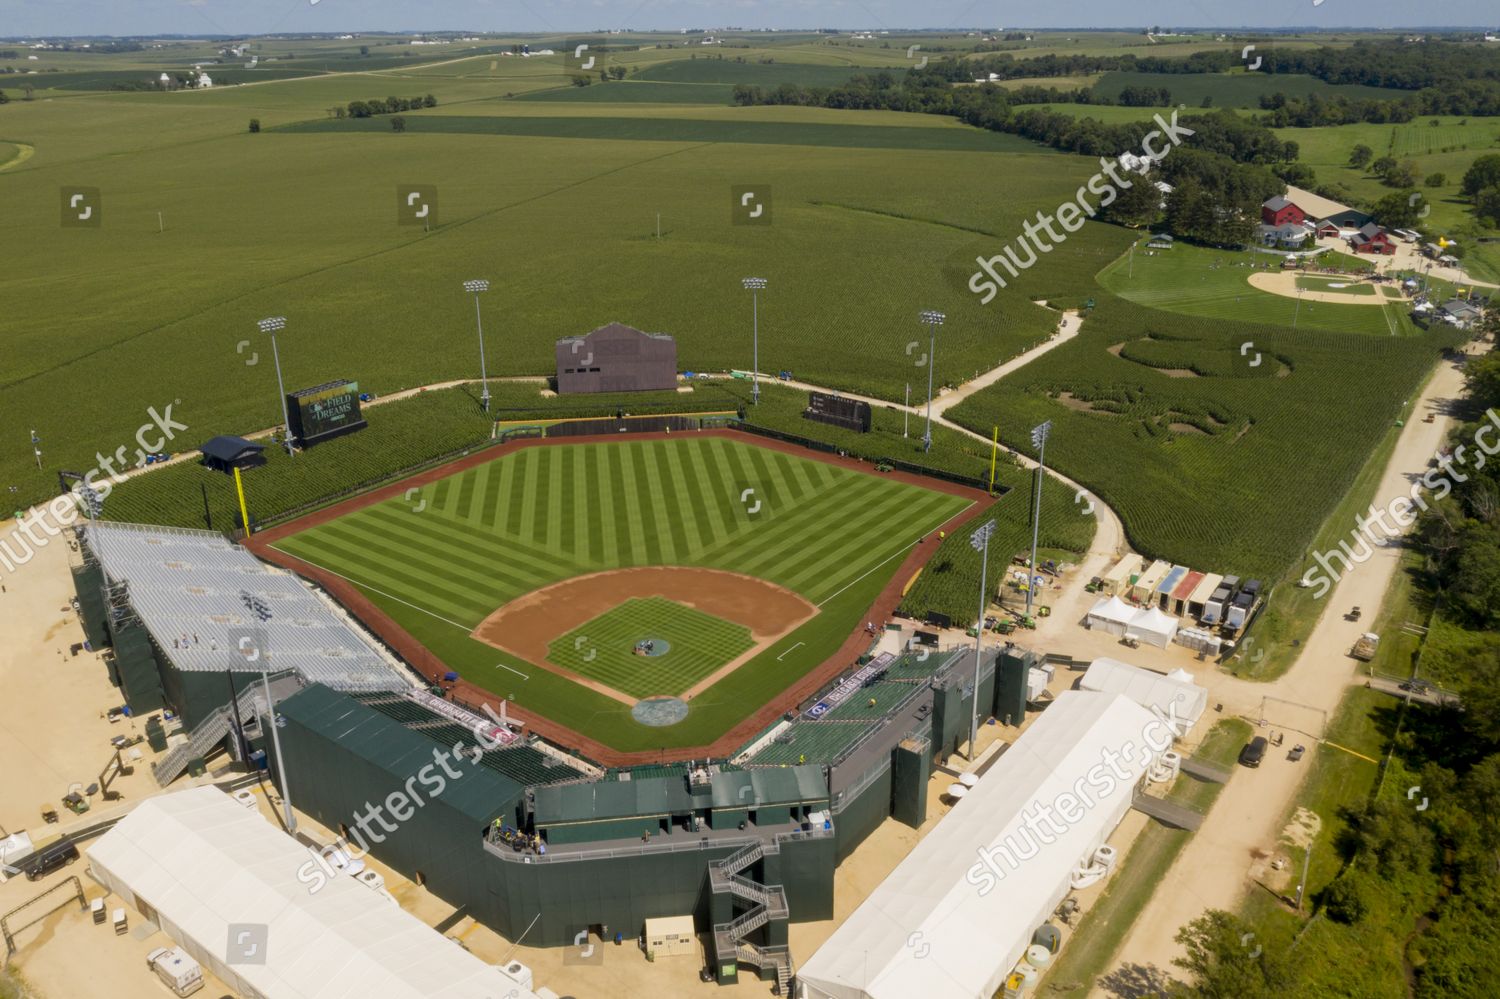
50,858
1254,752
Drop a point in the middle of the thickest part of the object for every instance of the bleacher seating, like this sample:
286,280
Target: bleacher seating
858,707
817,741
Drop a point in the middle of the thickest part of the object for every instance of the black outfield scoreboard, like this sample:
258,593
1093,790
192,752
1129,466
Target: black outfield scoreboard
324,412
851,414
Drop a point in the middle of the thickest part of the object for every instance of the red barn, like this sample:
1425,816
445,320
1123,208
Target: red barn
1372,239
1280,211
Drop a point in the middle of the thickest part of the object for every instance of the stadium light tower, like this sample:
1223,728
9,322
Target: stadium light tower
754,286
270,326
1039,435
981,543
256,657
474,288
932,320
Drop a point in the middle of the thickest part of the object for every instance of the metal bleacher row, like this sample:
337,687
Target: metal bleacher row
521,762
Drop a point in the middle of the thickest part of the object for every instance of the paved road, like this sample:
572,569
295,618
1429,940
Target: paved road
1211,871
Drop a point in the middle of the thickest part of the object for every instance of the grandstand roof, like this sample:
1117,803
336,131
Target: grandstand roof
187,586
972,936
481,793
650,796
207,864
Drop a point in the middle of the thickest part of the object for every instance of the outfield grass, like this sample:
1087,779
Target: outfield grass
442,559
696,644
1214,284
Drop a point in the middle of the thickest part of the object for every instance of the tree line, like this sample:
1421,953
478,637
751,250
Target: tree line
391,105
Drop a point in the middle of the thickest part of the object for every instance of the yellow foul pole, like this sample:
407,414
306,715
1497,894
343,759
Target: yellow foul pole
994,454
239,487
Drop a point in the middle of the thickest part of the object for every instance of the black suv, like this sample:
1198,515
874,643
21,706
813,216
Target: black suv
1254,752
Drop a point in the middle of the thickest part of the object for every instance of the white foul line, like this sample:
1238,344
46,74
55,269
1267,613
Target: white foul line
787,652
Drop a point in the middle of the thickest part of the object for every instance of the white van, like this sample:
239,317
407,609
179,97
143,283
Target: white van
176,969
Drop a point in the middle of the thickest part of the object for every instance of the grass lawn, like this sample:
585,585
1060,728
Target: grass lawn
1342,286
1092,945
1198,281
695,645
442,559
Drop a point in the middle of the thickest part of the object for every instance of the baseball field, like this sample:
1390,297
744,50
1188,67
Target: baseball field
576,579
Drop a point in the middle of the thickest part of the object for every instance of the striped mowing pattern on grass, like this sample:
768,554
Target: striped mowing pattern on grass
603,649
465,545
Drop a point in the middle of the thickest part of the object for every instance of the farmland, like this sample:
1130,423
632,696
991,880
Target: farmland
570,224
1210,462
442,559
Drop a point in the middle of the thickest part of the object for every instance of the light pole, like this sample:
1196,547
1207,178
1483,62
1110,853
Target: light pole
1039,435
1297,310
475,287
270,326
754,286
36,447
255,651
932,320
981,543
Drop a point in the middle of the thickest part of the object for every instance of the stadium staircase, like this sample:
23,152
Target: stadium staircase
212,731
767,902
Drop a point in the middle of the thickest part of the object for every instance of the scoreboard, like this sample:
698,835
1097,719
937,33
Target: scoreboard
324,412
851,414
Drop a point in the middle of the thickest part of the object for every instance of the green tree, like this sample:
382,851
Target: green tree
1383,166
1487,204
1395,210
1136,205
1360,156
1436,179
429,101
255,124
1482,173
398,123
1225,958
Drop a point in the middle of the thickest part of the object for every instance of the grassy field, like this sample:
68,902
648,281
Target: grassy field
696,644
442,559
1214,284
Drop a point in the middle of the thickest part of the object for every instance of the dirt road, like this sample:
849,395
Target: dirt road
1211,871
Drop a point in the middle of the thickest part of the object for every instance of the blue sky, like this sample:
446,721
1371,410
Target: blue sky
120,17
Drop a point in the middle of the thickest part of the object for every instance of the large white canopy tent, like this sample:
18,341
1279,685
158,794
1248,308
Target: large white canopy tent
1112,615
198,861
930,929
1153,626
1175,695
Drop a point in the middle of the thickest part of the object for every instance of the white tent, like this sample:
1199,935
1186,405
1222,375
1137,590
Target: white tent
1175,696
198,863
956,915
1153,626
1112,615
